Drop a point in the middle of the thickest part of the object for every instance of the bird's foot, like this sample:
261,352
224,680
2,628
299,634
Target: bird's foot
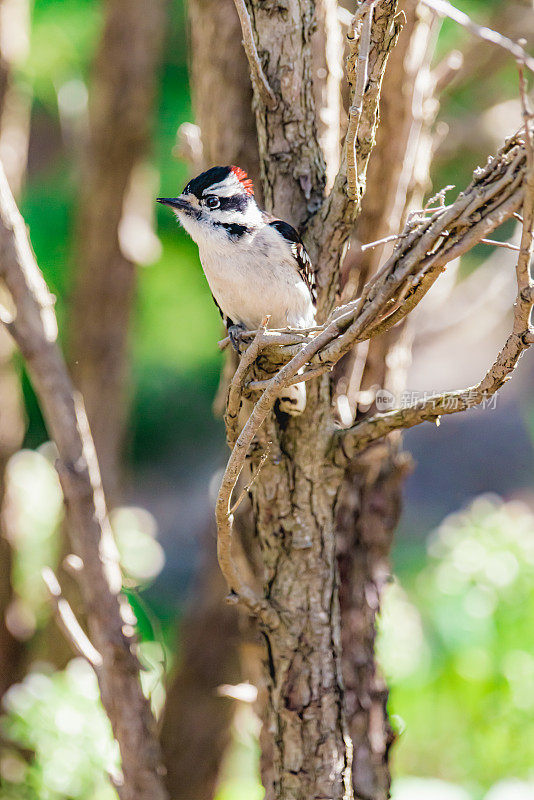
234,334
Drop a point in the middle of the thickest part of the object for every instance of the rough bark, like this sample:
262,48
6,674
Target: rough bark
294,502
303,725
294,495
31,321
292,165
121,111
368,514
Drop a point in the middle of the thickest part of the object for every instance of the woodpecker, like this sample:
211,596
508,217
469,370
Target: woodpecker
255,264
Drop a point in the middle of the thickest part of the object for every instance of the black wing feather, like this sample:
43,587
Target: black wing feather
302,258
227,321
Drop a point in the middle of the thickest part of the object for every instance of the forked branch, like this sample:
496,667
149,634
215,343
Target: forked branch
361,435
497,192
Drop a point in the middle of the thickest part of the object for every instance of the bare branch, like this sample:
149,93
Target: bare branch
365,14
34,329
329,228
246,488
495,243
446,9
256,70
233,404
430,409
68,622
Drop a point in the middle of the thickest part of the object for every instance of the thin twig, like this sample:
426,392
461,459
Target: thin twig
446,9
241,497
233,404
256,70
277,337
365,13
495,243
385,240
67,620
302,377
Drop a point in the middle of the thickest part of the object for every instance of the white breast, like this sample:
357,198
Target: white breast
253,278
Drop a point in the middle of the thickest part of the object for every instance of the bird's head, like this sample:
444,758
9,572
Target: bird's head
216,206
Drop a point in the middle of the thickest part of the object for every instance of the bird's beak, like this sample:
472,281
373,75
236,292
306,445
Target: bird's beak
175,202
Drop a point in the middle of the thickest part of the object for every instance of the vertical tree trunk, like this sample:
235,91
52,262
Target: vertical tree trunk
11,434
295,494
121,106
121,112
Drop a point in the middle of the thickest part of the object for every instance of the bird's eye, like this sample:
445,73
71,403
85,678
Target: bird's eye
213,202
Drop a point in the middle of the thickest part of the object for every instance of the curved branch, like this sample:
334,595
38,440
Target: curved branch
33,326
256,71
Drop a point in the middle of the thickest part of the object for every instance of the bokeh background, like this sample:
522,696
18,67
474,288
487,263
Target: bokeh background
456,634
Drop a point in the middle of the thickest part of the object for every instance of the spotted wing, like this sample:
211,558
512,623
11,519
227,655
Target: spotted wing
302,258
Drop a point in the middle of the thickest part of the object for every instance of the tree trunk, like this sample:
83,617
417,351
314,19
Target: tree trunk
11,434
121,112
295,495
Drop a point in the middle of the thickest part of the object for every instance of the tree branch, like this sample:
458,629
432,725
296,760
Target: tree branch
256,70
446,9
365,13
328,230
361,435
33,326
425,248
69,624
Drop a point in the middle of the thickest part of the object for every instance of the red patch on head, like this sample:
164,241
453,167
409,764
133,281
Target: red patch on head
243,179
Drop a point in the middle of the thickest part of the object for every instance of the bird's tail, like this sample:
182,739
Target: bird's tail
293,398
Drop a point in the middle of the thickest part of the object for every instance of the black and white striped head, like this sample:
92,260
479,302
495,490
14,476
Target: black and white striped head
217,206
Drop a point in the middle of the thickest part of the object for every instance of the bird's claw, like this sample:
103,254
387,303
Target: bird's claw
234,334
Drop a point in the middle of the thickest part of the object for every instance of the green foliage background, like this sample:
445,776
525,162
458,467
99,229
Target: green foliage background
457,640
